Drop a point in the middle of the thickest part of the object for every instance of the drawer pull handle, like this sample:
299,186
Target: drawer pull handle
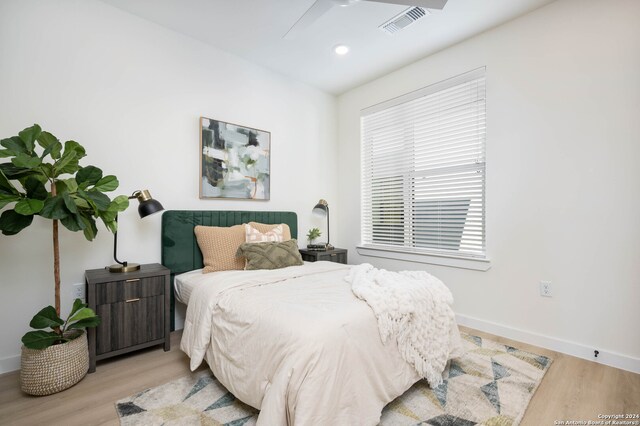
333,255
132,280
132,300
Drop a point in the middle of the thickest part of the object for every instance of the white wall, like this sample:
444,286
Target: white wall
563,139
131,92
563,181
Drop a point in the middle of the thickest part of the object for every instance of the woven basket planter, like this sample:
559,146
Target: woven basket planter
54,369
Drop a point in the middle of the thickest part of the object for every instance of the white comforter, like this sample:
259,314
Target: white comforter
296,344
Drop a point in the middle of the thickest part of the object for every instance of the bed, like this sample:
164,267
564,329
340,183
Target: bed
294,343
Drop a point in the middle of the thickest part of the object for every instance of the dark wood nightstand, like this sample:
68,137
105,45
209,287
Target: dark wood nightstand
133,308
336,255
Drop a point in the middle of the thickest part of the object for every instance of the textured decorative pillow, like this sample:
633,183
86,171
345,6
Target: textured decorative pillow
266,227
252,235
270,255
219,245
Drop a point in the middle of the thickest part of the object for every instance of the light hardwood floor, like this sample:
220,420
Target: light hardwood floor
572,389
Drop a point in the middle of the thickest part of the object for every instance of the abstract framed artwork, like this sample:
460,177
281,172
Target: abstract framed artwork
235,161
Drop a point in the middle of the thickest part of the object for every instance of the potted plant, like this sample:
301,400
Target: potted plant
62,350
313,234
42,177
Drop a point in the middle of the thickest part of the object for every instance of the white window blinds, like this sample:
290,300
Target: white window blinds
423,170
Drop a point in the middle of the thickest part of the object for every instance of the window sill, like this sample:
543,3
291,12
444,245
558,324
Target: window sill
433,259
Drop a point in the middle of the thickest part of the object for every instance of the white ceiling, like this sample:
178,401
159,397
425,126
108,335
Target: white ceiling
253,29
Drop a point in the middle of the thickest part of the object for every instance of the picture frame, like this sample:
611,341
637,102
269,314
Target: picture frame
235,161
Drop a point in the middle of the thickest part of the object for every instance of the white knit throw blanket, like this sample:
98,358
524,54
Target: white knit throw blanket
415,307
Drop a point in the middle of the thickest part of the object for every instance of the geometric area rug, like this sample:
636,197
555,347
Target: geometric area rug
491,385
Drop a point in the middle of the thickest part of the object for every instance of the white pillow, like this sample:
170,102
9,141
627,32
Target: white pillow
252,235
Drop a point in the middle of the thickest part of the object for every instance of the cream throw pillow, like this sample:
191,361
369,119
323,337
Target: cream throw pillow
252,235
265,227
219,246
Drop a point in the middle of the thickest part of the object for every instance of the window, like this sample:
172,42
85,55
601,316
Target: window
423,170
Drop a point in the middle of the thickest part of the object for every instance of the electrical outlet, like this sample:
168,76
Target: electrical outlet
77,292
545,289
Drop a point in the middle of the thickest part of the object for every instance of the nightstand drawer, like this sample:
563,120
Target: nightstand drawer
336,255
136,288
333,257
129,323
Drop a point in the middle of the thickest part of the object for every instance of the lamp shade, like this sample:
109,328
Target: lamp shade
321,208
148,205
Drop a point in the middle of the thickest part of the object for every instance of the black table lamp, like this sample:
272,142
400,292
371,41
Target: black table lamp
147,207
322,209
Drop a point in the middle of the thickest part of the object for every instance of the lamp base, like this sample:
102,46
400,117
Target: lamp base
130,267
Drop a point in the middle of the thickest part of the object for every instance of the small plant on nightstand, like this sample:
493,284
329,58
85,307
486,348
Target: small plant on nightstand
313,234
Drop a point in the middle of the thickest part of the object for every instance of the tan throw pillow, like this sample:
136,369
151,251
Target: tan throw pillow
270,255
265,227
252,235
219,246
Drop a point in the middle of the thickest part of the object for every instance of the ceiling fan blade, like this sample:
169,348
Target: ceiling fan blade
317,9
427,4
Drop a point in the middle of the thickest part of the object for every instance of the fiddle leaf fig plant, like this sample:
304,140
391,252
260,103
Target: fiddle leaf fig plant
80,318
43,177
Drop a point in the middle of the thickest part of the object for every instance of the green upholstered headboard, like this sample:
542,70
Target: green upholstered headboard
180,251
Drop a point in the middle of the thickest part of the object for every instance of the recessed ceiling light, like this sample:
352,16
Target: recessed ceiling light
341,49
345,3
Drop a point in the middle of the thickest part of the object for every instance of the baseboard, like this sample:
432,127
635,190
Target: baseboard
578,350
9,364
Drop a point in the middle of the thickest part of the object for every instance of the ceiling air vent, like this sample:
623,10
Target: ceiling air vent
403,20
